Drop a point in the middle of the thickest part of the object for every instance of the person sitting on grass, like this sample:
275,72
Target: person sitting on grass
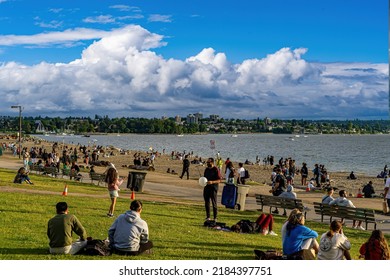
60,229
334,245
266,223
22,176
298,241
376,248
129,234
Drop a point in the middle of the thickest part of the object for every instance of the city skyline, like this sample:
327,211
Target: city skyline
281,59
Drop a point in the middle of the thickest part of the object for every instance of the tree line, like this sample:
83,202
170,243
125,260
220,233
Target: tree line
104,124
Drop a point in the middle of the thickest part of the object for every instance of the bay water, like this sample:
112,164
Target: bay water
365,154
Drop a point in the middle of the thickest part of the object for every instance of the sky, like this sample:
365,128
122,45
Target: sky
282,59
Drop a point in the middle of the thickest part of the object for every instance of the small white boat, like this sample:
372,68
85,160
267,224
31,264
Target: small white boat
180,135
234,135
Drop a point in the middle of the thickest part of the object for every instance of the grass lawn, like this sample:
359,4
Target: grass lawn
176,228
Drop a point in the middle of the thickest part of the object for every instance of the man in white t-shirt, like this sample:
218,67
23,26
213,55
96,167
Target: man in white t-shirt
241,174
386,196
343,201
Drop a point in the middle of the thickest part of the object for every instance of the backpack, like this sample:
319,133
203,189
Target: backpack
246,176
268,255
97,247
245,226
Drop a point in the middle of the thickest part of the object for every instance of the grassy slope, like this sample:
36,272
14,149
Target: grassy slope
175,228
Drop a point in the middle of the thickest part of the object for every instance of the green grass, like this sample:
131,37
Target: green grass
176,229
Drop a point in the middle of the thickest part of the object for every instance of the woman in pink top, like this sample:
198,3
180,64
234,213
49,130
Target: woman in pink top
113,182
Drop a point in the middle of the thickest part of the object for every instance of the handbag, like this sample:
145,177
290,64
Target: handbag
385,207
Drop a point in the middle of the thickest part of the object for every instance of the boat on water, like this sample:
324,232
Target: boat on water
180,135
234,135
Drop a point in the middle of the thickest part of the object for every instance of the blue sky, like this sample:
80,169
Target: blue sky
152,58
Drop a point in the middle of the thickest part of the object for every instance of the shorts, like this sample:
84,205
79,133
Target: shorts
113,193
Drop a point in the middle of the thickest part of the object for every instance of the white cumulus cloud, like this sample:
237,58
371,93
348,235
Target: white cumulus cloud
122,74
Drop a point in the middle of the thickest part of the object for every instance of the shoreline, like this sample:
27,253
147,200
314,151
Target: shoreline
260,174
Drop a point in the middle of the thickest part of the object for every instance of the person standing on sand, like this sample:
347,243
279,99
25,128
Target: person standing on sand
386,196
186,167
304,173
210,191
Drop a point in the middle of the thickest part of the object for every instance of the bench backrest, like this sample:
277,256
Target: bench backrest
275,201
359,214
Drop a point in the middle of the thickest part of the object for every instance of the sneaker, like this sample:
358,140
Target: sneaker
264,231
360,227
110,215
272,233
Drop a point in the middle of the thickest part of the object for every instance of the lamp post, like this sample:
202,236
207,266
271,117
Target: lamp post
20,126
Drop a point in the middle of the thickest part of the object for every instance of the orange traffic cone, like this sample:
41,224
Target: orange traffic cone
65,192
132,195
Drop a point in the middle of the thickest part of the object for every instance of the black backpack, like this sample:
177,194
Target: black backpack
247,176
245,226
97,247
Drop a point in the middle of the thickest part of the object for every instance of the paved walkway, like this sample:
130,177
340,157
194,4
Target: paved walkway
196,195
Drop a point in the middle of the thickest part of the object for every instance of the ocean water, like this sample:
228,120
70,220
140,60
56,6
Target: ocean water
359,153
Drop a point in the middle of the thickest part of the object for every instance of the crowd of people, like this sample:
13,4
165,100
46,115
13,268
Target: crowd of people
300,242
129,234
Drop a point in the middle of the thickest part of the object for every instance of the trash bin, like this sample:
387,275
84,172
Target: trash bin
242,192
136,180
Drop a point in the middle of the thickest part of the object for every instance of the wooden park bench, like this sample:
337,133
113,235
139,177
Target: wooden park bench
279,202
34,167
97,177
349,213
50,171
72,174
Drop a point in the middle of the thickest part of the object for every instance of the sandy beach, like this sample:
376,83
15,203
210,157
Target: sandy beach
259,182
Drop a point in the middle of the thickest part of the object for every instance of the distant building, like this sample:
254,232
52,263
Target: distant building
198,116
267,121
191,119
214,117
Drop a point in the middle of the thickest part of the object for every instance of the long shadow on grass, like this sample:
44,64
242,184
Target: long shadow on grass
24,251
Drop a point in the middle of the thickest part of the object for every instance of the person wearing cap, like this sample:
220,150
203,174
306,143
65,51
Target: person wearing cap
278,186
129,234
343,201
298,241
289,194
329,196
60,229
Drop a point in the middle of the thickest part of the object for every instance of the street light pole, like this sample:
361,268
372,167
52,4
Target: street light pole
20,126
